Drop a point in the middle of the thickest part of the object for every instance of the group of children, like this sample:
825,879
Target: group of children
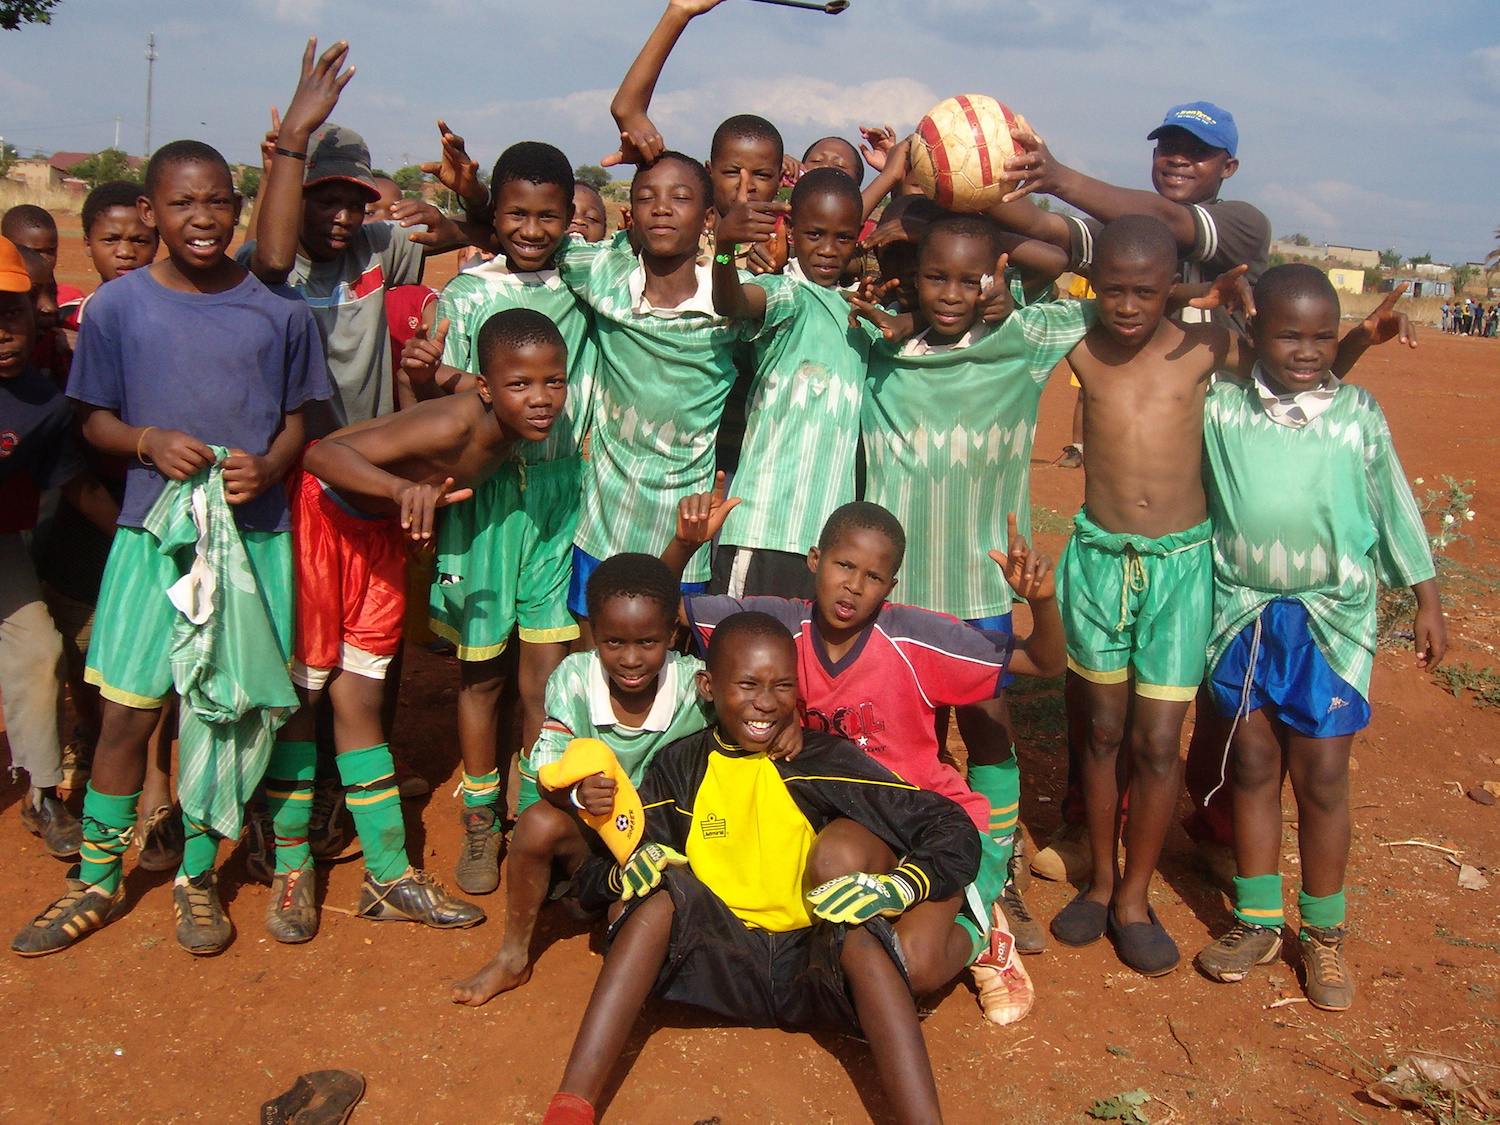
271,477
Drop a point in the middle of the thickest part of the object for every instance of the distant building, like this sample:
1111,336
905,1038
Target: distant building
1355,256
1418,286
1346,280
50,173
1429,269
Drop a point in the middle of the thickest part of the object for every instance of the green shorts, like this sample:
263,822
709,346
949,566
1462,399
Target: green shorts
981,895
504,558
1138,606
129,653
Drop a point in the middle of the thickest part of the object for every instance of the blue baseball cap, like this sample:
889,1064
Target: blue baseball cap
1204,120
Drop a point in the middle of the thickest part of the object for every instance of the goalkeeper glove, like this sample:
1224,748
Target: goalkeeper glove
642,873
853,899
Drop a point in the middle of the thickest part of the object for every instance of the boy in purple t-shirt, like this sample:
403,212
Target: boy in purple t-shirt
185,355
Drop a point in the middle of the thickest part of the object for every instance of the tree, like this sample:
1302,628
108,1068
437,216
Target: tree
409,179
1298,239
1462,275
248,183
1492,259
8,158
13,13
1420,260
106,164
593,175
1390,259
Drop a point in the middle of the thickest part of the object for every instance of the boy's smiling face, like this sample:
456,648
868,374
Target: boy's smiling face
1186,169
667,209
752,683
951,273
1296,340
632,636
526,387
17,333
759,157
332,213
825,236
119,242
530,221
1133,293
588,214
194,209
852,578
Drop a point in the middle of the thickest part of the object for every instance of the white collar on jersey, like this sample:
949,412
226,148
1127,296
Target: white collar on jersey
918,344
701,302
663,707
496,270
1294,410
794,271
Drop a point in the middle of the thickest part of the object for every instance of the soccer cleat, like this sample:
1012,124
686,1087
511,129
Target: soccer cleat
1030,936
1071,458
328,824
416,896
202,926
159,839
478,870
1066,858
1006,993
1326,974
60,831
292,910
1231,958
260,833
82,910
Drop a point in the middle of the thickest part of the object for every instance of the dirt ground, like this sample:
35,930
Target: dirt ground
125,1027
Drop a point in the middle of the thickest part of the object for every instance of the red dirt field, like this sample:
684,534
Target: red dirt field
125,1027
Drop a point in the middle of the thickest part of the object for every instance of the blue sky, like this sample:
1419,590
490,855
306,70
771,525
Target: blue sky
1372,123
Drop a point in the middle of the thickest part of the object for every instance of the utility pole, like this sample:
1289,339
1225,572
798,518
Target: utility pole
117,132
150,74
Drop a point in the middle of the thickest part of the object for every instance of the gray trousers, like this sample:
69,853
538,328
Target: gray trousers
30,667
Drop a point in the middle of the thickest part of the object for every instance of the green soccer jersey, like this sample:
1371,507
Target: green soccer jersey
662,379
948,446
477,294
578,707
802,420
1316,514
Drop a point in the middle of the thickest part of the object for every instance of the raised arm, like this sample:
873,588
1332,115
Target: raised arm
1381,326
640,143
279,205
746,221
699,518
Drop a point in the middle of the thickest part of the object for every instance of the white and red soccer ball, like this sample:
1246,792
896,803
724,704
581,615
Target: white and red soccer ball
959,151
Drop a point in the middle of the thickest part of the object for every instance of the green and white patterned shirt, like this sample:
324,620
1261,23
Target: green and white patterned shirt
578,706
1316,514
662,379
802,419
477,294
948,441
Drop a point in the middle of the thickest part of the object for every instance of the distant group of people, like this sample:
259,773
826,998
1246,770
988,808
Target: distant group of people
1470,318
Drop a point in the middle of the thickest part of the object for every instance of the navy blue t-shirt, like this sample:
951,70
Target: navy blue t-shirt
36,441
222,367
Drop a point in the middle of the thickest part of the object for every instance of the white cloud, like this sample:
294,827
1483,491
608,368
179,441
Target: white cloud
303,12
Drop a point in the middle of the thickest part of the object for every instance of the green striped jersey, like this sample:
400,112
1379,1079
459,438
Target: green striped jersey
1316,514
948,445
477,294
802,419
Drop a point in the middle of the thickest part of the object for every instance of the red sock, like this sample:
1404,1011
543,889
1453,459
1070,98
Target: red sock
568,1109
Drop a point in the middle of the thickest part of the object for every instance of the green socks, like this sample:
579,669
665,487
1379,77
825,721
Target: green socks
482,791
200,848
1322,912
108,821
370,777
289,792
1257,900
1000,785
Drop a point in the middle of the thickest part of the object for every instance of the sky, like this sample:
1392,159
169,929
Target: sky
1373,123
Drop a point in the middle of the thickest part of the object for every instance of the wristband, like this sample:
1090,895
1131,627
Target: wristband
139,442
573,797
288,152
725,258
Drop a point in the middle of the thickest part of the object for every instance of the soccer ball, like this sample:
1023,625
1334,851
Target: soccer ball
959,152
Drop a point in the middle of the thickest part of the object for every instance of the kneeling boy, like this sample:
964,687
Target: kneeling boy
364,490
769,892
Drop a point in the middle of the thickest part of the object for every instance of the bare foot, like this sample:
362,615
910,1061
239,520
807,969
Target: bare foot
496,977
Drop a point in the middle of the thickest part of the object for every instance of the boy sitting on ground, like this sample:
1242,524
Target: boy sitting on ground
1293,636
793,893
363,491
875,673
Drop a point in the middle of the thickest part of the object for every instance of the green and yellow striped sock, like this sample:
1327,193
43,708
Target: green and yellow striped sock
373,798
108,821
289,793
200,848
482,792
1257,900
1000,785
1330,910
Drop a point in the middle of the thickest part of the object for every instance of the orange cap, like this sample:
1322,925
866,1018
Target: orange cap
14,276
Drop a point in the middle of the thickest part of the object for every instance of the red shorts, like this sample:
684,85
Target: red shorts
351,586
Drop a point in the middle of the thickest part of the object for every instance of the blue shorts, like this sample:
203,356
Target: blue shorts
998,624
1291,677
584,565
